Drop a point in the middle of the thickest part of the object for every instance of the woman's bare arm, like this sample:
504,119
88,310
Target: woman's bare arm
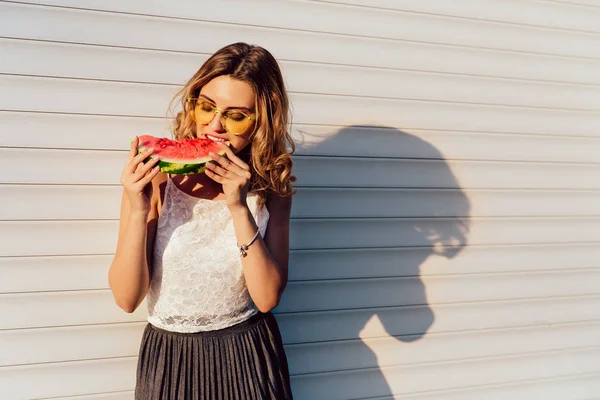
266,263
129,274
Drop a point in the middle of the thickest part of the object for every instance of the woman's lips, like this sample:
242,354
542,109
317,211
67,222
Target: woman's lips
216,138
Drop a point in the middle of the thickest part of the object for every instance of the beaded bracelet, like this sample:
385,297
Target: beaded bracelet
245,247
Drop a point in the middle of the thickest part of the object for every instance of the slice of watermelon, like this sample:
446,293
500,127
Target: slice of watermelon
185,156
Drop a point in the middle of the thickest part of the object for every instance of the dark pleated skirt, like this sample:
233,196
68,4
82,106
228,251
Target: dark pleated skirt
244,361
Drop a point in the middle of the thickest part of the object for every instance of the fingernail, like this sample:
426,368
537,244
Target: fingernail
150,150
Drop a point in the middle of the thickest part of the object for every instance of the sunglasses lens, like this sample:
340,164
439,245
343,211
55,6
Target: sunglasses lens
203,113
237,123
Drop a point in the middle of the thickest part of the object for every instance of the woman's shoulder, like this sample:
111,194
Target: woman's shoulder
277,204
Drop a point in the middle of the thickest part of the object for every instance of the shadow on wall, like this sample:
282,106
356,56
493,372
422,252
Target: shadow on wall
402,206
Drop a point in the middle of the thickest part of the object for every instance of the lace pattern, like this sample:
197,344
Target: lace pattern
197,282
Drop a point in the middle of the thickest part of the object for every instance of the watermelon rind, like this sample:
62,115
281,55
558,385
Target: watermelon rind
179,168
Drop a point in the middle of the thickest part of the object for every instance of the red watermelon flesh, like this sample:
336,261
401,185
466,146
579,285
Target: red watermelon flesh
184,156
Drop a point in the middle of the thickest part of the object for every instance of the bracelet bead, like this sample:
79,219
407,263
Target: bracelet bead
243,248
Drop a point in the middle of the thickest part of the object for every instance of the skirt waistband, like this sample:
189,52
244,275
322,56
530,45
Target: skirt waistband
230,330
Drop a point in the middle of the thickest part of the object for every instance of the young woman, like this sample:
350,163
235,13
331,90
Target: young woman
210,250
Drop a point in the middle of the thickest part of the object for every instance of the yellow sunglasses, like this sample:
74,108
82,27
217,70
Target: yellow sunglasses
236,122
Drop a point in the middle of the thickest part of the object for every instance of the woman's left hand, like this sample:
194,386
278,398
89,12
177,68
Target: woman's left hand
233,174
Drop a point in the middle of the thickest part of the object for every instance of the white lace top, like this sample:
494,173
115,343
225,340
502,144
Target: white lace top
197,282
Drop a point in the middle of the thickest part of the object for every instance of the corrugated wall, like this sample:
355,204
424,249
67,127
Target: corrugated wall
445,235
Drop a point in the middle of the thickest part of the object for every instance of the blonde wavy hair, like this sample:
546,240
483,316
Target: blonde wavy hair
269,153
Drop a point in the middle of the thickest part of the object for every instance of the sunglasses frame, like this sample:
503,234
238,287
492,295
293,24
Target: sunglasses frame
192,101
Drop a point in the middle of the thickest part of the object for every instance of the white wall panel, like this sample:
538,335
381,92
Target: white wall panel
584,386
174,65
358,51
354,354
373,141
427,319
70,343
72,308
446,234
33,274
589,3
64,131
390,292
439,376
538,13
75,202
163,67
119,395
350,263
71,131
326,202
310,17
105,167
532,13
42,274
151,100
22,202
74,378
121,340
67,379
561,16
58,238
390,172
23,310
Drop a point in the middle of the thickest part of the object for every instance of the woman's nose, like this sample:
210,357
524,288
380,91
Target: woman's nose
216,123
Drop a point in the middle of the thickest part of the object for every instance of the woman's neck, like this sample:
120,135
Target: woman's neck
198,185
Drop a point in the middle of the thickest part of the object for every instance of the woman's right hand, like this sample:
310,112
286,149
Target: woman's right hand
136,177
